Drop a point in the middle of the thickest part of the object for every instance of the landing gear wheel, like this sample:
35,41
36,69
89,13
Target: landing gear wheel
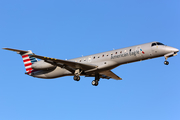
76,78
95,82
166,62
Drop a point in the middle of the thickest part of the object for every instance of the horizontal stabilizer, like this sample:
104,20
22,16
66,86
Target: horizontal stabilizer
15,50
27,59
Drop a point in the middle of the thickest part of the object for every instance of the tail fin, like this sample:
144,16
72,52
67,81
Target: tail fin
27,59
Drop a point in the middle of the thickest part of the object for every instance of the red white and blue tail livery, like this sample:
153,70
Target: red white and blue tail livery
28,61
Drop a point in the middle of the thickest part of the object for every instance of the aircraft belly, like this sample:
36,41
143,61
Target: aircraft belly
58,72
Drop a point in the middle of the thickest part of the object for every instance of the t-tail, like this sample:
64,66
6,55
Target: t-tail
27,59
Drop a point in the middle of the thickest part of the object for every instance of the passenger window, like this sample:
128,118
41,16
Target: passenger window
120,51
116,53
102,55
94,57
98,56
130,50
107,55
153,44
79,60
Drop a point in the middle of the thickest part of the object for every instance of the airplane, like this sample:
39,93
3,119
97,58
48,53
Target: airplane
96,65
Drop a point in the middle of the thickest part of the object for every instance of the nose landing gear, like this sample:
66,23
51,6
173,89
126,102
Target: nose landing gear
166,62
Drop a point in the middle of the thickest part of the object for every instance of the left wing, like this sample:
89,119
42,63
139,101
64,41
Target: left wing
105,75
75,65
110,74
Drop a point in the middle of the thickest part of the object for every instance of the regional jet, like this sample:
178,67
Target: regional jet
96,65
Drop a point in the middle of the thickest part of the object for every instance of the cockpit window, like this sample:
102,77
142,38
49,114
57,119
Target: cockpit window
158,43
153,44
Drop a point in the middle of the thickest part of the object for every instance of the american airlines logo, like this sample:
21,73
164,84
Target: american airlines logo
134,53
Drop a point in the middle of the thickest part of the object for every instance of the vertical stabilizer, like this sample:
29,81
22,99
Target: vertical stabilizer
27,59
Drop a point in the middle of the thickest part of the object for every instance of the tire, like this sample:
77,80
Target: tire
166,62
95,82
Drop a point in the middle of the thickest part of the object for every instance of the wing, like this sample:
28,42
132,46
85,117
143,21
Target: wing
105,75
75,65
110,74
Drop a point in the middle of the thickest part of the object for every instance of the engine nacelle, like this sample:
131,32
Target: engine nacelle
41,65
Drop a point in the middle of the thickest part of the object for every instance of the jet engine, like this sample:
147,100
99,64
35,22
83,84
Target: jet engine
42,65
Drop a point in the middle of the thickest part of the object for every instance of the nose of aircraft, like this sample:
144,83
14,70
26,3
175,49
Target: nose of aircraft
171,49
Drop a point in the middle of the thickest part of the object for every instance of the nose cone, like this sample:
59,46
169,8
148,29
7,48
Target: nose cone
172,49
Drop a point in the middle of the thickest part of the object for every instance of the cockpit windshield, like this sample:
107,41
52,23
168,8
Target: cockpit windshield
157,43
153,44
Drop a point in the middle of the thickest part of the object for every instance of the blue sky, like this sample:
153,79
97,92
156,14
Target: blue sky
68,29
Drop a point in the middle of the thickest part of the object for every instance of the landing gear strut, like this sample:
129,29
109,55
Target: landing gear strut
96,81
77,74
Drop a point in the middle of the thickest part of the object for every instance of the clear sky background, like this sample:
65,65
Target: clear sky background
72,28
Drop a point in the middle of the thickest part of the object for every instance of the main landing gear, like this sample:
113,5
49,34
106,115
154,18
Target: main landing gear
77,77
77,74
96,81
